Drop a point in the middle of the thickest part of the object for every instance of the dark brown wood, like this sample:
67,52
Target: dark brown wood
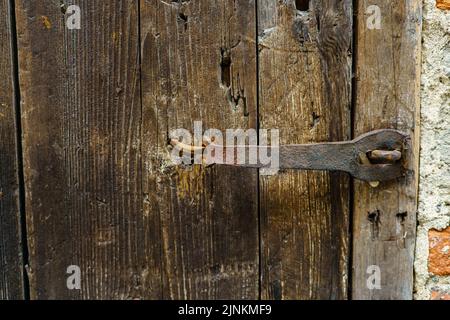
11,260
199,64
98,107
387,91
82,118
305,91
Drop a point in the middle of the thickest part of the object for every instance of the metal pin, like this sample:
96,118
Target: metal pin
385,156
365,160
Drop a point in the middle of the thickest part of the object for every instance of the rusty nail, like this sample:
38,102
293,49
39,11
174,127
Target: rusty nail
185,147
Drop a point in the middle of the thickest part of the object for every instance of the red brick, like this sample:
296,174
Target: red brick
443,4
439,294
439,255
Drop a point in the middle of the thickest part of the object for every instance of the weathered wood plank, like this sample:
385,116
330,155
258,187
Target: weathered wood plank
11,261
199,64
305,91
387,90
81,115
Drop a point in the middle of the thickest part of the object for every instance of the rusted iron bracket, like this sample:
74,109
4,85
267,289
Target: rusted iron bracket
373,157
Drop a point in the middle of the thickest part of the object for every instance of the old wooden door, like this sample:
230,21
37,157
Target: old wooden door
85,115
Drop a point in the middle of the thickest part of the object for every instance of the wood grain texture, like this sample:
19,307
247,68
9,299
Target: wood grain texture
387,90
305,92
81,115
98,105
199,64
11,261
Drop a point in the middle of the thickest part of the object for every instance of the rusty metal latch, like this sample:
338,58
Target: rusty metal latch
373,157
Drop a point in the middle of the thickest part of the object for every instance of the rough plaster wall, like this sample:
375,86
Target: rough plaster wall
434,187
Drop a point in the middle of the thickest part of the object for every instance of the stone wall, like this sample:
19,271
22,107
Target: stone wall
432,265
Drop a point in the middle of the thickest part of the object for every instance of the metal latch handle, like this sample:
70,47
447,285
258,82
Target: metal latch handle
374,156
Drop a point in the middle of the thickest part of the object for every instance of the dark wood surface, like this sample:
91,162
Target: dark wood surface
98,106
82,123
199,64
11,254
305,63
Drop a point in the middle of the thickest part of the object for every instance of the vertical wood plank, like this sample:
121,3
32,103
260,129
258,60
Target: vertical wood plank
199,64
81,114
387,91
305,91
11,261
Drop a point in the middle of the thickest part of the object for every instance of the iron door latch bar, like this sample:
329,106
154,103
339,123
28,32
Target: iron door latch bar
374,156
